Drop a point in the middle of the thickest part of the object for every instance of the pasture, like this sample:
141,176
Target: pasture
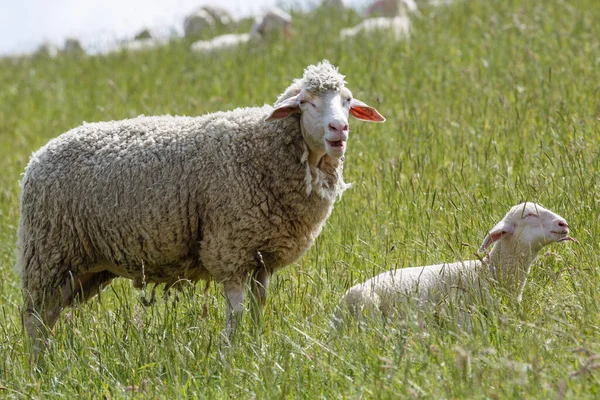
490,103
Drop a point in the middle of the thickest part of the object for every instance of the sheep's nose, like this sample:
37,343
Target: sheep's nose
562,223
338,127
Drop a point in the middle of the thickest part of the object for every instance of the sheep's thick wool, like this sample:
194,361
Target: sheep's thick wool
165,198
317,79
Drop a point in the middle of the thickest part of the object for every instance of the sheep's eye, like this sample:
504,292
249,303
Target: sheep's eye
305,102
531,215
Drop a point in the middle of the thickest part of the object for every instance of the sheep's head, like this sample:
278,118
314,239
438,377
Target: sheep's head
323,102
530,224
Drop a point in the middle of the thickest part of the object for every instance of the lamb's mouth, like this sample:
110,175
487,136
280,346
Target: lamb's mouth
335,143
566,237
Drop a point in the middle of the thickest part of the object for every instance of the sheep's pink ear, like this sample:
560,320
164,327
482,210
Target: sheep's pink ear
284,109
360,110
502,228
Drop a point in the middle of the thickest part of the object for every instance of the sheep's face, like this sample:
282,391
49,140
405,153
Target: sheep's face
325,121
324,118
531,224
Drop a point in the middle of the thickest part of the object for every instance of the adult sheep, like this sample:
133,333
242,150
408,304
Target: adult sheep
517,239
229,196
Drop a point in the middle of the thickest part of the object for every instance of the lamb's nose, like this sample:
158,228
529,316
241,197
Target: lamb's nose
562,223
338,127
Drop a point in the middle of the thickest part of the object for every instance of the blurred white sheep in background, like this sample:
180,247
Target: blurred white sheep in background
272,21
391,8
396,21
205,18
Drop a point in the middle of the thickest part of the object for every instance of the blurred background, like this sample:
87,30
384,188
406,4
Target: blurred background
98,24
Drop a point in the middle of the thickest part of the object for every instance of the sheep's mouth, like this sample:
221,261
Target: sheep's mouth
335,143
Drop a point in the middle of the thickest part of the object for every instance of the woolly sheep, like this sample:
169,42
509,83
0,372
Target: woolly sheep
142,44
269,22
197,22
229,196
219,14
399,26
205,17
391,8
517,239
273,20
221,42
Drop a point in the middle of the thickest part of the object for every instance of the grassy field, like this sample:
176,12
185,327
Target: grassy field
490,103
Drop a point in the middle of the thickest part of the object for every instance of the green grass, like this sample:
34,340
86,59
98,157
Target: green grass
490,103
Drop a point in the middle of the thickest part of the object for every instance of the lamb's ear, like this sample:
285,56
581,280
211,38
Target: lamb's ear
360,110
284,109
502,228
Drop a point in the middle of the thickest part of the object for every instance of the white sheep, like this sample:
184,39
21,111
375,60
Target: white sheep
399,27
197,22
229,196
205,18
274,19
219,14
517,239
221,42
142,44
391,8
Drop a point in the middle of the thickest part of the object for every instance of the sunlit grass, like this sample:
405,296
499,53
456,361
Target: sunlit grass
489,104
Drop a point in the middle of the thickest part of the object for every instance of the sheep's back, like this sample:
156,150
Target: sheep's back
160,190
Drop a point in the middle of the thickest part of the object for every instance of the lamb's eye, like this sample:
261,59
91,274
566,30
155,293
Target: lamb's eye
531,215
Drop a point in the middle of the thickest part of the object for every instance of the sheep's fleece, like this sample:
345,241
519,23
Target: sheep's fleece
159,199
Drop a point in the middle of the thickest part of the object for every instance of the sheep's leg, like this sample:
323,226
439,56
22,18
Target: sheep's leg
258,287
205,305
85,286
39,313
234,291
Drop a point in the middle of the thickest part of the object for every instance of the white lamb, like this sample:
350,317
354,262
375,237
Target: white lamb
517,239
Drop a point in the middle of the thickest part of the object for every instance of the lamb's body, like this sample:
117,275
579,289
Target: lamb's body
517,239
424,284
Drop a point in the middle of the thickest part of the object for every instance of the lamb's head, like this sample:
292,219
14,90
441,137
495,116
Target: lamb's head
323,103
531,225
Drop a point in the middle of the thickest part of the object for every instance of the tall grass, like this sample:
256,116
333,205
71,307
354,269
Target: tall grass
490,103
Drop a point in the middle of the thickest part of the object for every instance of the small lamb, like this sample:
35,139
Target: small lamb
230,196
517,239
